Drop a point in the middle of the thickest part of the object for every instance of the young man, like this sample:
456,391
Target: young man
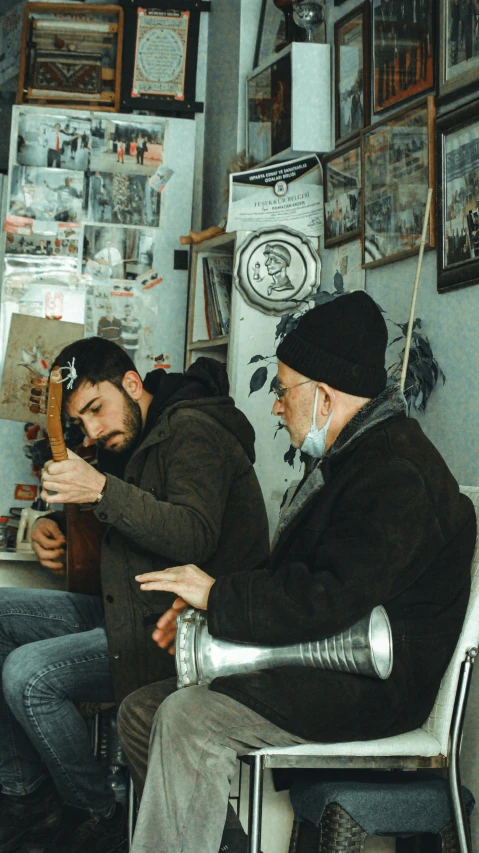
377,520
176,482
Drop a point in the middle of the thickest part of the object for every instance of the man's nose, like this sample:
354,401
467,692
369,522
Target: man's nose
93,432
277,408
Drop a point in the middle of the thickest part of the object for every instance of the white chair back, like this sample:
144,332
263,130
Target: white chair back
439,720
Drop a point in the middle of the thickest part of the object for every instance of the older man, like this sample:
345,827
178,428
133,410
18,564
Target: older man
378,519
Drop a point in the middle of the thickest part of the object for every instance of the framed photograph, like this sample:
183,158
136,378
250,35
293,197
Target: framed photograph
271,36
342,195
458,198
269,110
281,120
351,73
403,65
398,167
458,48
160,56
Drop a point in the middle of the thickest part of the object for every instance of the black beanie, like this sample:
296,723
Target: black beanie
342,343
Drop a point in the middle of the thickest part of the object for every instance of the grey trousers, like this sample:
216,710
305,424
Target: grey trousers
196,736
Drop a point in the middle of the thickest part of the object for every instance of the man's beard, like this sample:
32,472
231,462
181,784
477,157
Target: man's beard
128,436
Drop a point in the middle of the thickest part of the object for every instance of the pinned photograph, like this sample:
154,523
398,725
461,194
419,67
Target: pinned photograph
61,239
123,199
135,147
58,142
47,194
117,253
119,312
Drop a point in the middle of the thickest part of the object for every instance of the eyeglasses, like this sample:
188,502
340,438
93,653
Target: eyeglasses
280,392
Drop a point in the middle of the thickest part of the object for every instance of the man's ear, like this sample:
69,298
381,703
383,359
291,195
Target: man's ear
327,398
133,385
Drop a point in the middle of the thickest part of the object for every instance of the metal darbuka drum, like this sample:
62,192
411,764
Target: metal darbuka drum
364,649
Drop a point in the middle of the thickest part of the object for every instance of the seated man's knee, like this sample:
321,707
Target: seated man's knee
137,711
19,668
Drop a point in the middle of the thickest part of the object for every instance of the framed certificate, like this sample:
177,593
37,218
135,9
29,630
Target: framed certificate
160,55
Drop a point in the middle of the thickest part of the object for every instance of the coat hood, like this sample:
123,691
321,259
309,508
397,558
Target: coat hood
205,387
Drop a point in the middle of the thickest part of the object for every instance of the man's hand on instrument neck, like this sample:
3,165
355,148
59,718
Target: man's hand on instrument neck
190,583
71,481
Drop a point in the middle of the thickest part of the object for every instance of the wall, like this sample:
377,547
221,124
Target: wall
221,112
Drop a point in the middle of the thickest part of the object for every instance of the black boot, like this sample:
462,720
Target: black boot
81,832
30,817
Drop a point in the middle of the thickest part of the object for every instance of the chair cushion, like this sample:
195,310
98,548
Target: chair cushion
387,803
417,742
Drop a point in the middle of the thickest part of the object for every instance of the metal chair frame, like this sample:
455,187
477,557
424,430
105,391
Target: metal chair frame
259,761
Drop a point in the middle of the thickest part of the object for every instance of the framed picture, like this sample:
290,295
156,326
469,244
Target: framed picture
398,167
458,198
71,55
403,64
342,195
281,121
271,35
458,48
351,73
160,56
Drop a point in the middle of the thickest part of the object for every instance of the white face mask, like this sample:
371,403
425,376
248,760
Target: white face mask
315,442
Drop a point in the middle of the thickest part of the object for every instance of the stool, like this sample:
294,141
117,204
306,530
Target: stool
334,814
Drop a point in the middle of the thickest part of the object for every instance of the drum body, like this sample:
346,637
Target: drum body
364,649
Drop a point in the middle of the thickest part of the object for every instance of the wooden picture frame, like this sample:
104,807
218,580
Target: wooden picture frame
165,34
352,85
458,198
342,195
398,167
71,56
458,50
402,52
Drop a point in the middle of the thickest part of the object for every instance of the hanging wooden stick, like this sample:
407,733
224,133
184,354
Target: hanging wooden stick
415,289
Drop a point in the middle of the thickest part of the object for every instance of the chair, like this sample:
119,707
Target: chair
436,744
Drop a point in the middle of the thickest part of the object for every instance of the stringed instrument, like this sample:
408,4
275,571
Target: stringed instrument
84,531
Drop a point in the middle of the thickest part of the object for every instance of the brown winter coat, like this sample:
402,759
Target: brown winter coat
189,495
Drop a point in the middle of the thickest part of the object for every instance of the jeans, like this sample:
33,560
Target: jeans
53,653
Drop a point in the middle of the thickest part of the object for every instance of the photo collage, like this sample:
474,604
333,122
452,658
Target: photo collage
83,211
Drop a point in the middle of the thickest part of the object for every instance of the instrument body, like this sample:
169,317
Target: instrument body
363,649
84,531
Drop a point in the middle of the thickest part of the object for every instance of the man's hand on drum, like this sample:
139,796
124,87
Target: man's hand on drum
71,481
48,542
191,585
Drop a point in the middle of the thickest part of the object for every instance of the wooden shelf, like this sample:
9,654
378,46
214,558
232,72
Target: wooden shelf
221,340
198,325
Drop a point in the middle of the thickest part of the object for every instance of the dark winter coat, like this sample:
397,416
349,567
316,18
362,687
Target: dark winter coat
189,494
388,526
